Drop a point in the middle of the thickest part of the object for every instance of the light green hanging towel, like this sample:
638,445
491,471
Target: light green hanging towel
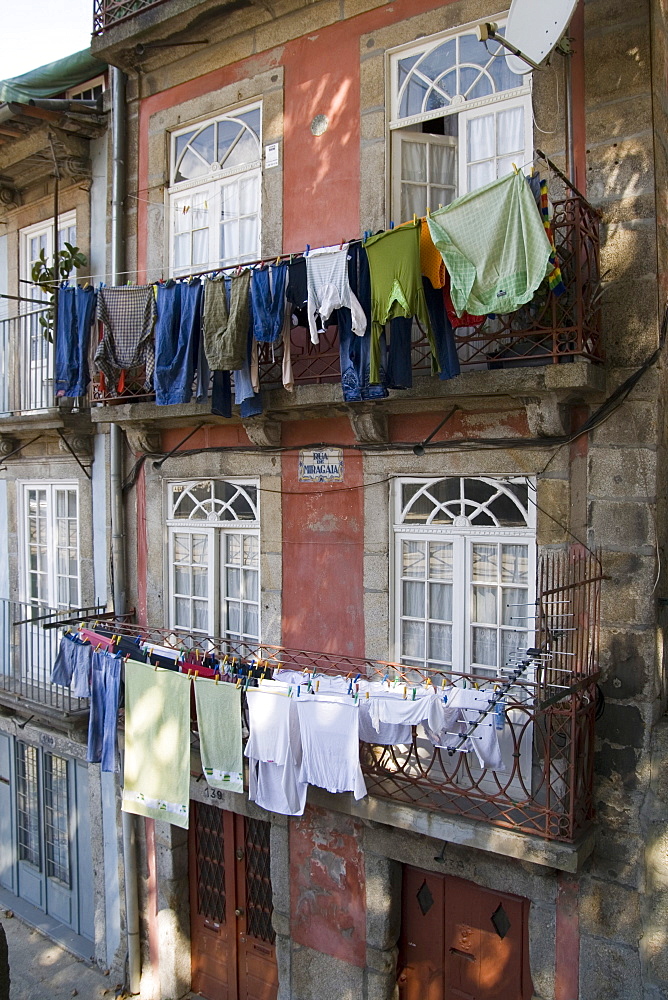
219,722
157,743
494,246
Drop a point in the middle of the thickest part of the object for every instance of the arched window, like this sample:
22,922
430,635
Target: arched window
464,561
459,118
214,558
215,176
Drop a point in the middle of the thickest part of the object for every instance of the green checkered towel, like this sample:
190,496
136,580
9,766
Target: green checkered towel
494,246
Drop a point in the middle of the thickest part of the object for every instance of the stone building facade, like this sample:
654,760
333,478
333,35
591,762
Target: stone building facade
323,80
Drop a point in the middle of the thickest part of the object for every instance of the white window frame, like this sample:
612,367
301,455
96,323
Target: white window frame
44,228
517,96
217,531
462,538
212,185
51,487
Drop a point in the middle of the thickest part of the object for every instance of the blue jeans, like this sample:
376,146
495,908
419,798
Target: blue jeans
250,402
102,723
76,309
177,333
443,332
354,351
267,306
72,666
399,364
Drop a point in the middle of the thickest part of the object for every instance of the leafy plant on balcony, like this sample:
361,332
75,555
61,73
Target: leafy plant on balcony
47,276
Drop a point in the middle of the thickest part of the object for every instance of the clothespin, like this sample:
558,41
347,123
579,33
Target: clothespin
217,678
367,694
414,691
289,691
126,658
515,169
391,224
238,684
440,205
98,646
317,686
445,681
341,244
428,212
308,248
405,692
298,689
414,219
190,673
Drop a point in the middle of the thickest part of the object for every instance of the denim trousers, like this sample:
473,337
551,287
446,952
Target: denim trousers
102,723
267,293
76,310
177,334
354,351
399,363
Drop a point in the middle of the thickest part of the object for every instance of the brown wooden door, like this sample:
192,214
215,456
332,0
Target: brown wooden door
232,941
461,942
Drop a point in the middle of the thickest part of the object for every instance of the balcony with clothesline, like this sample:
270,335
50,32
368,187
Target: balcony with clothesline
544,706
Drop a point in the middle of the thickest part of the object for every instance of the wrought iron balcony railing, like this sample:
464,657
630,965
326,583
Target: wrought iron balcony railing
107,13
27,365
549,330
28,649
545,720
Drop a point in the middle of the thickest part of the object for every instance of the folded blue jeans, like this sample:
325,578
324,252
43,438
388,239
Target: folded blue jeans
102,722
72,666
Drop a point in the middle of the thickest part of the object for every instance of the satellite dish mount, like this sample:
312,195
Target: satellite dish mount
489,29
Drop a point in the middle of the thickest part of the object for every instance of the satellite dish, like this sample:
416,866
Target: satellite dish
535,27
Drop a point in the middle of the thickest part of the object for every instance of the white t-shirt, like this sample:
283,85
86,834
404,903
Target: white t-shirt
329,729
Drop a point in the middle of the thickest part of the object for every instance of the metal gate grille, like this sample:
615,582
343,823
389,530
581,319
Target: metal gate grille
56,818
209,845
27,804
259,904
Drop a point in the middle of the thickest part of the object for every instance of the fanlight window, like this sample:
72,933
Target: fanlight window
462,502
230,143
213,500
448,75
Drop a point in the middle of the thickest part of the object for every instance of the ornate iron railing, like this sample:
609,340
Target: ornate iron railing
27,365
107,13
545,719
28,649
551,329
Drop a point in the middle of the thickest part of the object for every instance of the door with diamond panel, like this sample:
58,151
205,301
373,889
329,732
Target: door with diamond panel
461,942
232,940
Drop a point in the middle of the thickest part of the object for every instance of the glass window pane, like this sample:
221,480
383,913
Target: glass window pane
251,550
413,556
201,615
229,241
440,560
484,563
233,616
513,607
200,548
440,601
250,585
250,620
181,580
412,639
483,605
510,131
440,643
234,549
182,250
484,646
480,174
229,194
181,548
233,583
248,244
443,165
200,247
515,564
413,599
202,143
480,138
200,580
510,643
182,612
414,161
413,200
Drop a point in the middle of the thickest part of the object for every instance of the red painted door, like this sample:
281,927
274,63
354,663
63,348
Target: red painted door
461,942
232,941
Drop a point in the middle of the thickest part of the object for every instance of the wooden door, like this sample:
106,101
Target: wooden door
232,941
461,942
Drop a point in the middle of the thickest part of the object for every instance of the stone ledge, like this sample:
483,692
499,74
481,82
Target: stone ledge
464,832
495,389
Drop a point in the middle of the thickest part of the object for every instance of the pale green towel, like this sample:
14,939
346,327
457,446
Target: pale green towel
494,246
157,743
219,721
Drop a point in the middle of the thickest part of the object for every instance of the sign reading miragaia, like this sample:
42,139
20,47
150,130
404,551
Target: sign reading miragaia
324,466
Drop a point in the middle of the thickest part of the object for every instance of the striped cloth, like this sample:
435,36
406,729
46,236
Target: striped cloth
128,316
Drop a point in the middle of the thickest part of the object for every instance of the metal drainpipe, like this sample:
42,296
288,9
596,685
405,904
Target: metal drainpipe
118,164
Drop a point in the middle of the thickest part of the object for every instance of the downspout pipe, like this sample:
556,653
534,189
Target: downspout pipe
118,166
